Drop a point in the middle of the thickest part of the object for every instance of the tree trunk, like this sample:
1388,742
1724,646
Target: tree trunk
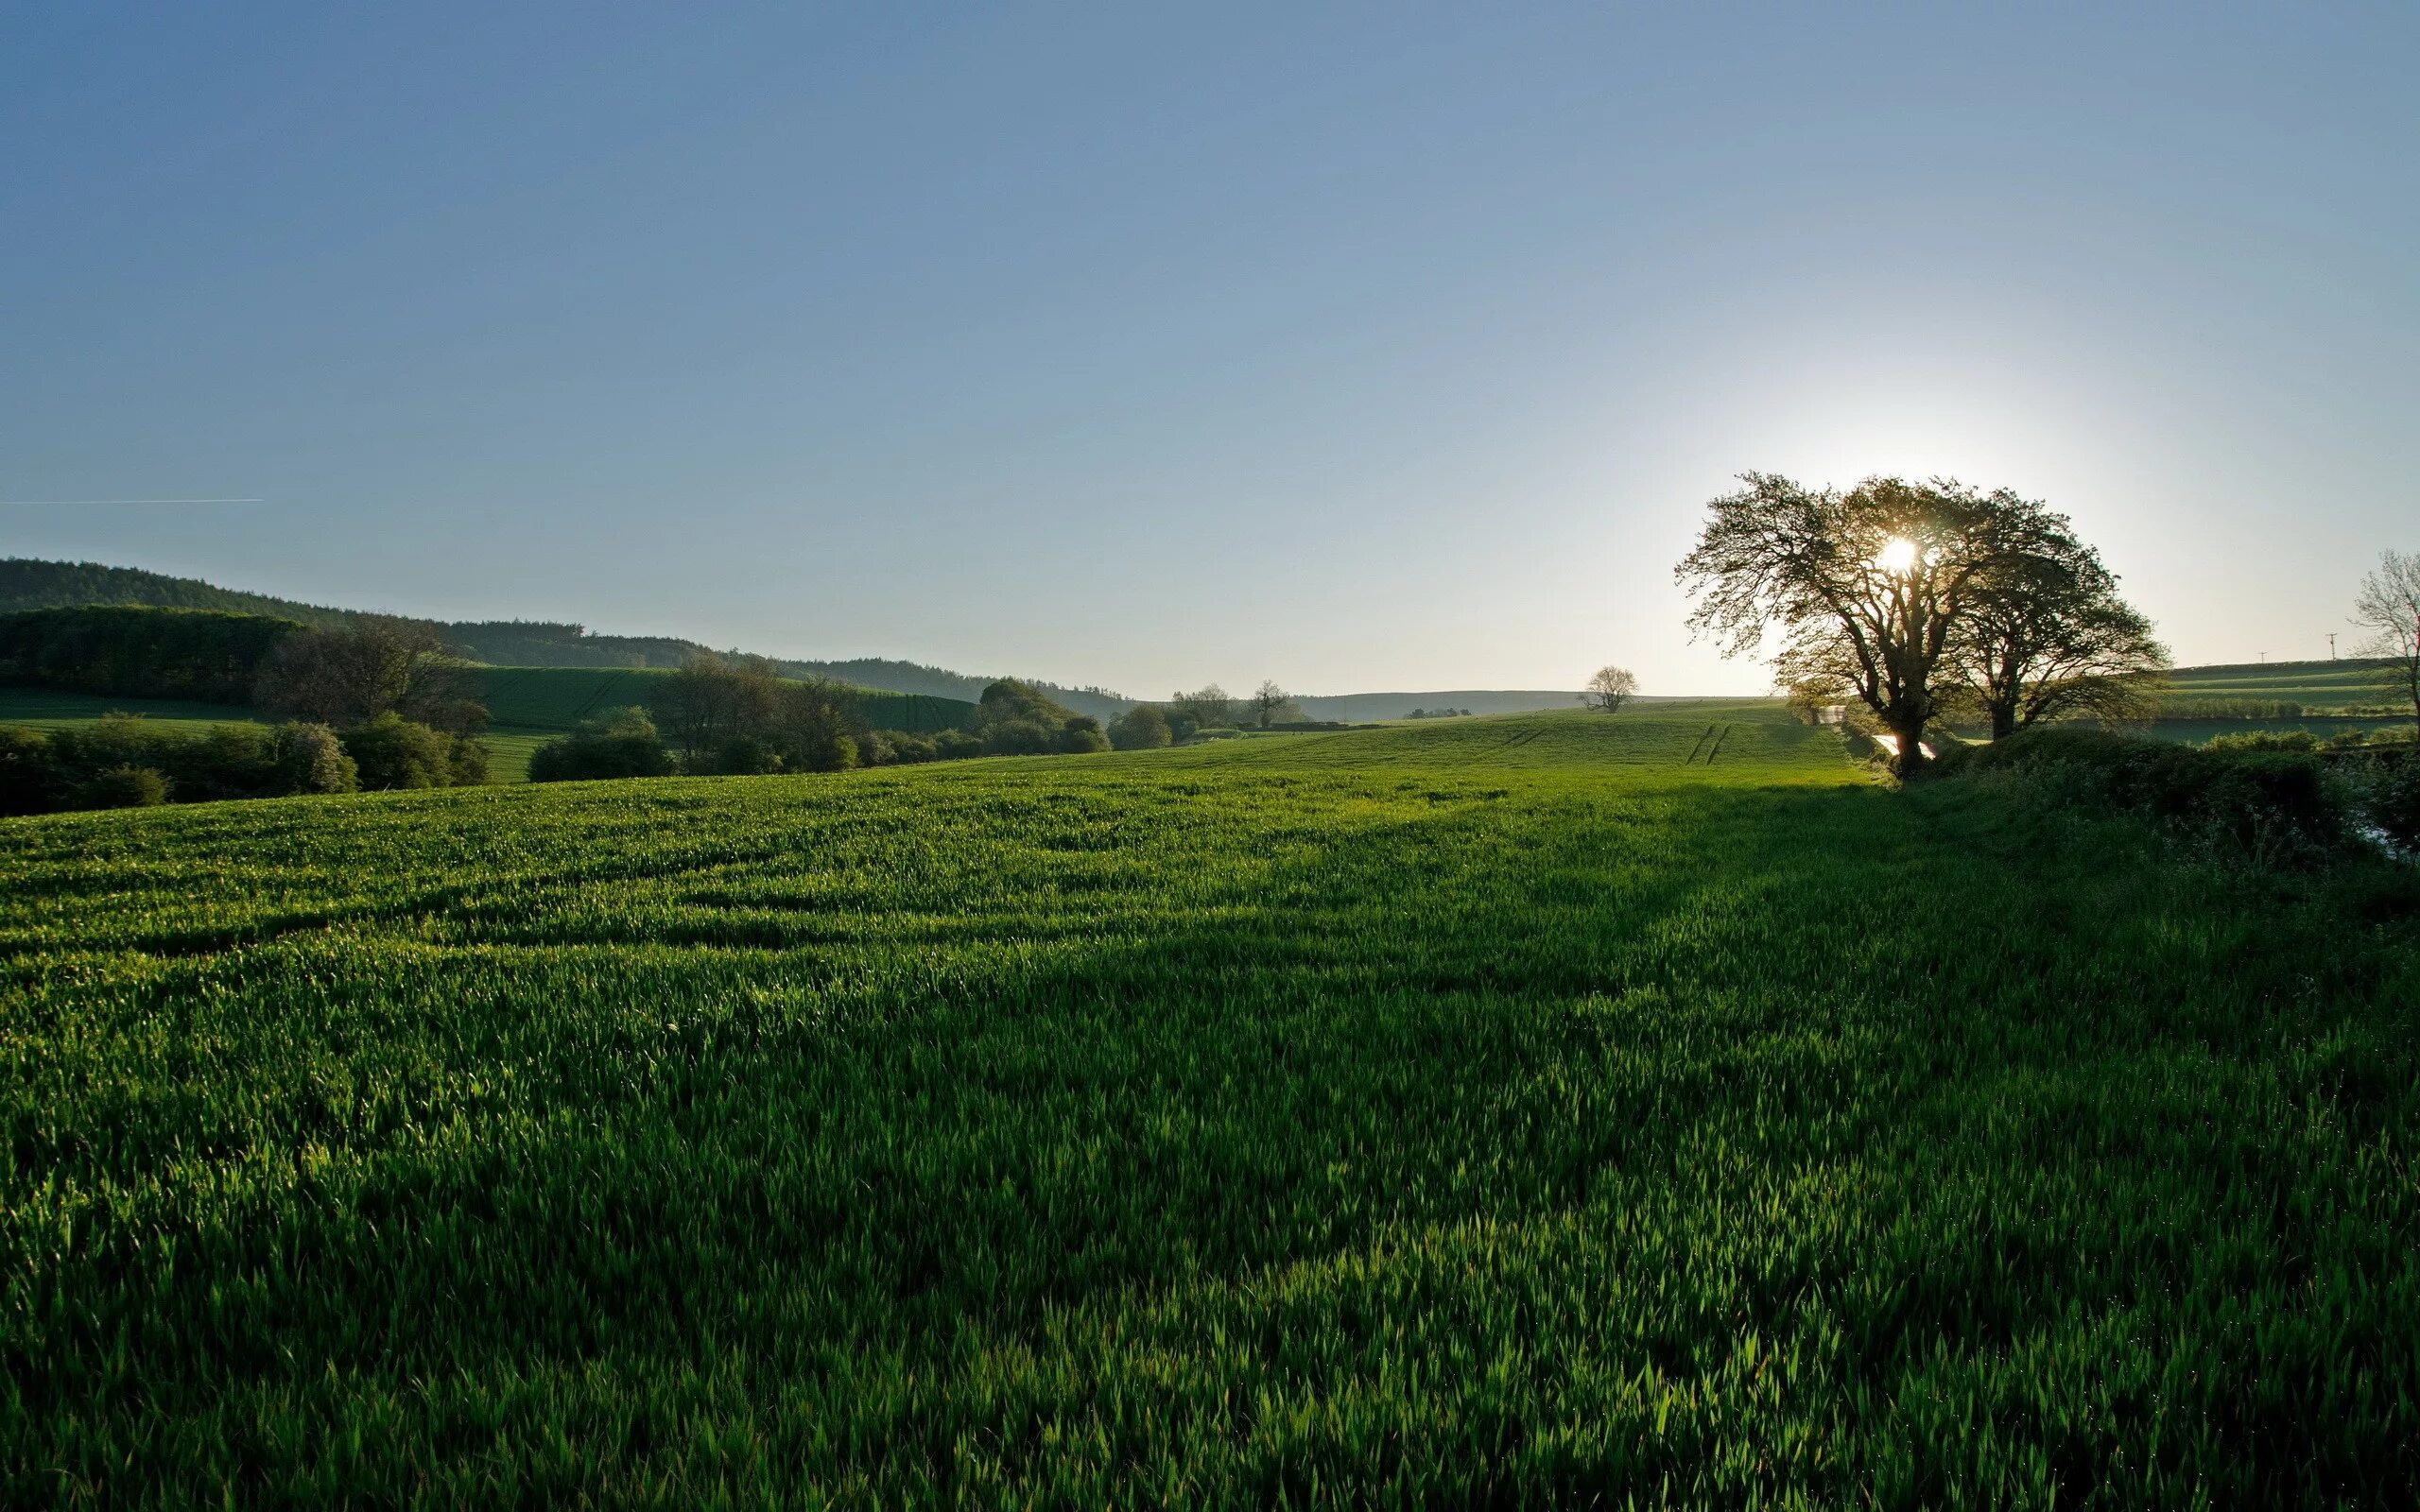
2003,721
1909,762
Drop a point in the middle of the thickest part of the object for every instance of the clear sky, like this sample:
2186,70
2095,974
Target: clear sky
1382,347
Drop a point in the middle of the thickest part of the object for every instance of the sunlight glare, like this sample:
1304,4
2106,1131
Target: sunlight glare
1898,556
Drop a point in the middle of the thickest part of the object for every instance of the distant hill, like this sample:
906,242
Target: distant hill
27,584
1359,706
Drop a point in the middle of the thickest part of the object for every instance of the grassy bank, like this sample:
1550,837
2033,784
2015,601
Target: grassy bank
1510,1110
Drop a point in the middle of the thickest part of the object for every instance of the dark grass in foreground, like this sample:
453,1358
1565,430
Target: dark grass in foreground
1515,1110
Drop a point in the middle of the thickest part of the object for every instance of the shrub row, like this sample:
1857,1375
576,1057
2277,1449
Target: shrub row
2276,796
125,762
625,742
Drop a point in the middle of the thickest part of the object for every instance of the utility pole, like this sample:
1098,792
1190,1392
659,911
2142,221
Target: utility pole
2264,659
2331,646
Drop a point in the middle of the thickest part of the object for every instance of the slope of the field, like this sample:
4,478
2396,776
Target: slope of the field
1728,741
1514,1111
2312,684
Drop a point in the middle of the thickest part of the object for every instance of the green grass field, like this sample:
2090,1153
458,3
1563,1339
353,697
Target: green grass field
2312,684
1506,1111
2198,731
45,709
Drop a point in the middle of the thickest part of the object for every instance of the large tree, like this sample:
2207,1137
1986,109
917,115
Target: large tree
1868,588
1608,689
2389,609
1207,708
378,665
1267,701
2048,637
739,715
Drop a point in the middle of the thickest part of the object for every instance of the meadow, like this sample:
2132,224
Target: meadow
1510,1111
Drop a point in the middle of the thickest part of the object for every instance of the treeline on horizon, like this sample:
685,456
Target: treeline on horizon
383,704
208,656
28,584
374,706
738,717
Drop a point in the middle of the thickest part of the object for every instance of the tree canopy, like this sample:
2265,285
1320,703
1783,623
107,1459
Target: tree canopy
1890,594
2049,638
2389,608
1608,689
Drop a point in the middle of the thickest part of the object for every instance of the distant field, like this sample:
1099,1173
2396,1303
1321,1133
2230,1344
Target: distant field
558,699
47,709
2315,684
2194,732
1354,707
1514,1111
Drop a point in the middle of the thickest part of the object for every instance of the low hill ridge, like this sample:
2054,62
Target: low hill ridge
27,583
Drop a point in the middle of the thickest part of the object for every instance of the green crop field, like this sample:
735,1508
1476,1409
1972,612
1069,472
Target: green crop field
2197,732
1504,1111
45,708
2313,684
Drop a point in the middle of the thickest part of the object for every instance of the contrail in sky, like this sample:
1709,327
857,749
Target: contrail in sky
65,503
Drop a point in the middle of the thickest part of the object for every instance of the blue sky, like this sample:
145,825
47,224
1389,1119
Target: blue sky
1360,348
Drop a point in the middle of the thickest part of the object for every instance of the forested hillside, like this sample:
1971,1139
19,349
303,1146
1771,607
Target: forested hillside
27,584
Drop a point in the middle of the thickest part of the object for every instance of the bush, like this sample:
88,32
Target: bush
468,759
2394,800
623,744
391,753
1141,728
123,787
957,744
38,773
2264,740
1017,719
219,762
745,756
27,782
836,752
2273,803
309,758
1080,735
1017,737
